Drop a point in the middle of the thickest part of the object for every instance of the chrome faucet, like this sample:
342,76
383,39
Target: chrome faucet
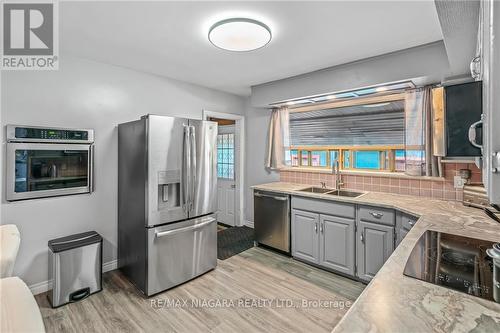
338,176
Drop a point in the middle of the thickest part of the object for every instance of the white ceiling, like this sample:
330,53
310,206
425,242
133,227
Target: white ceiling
169,38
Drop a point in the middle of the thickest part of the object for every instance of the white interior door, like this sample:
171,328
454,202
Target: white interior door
226,171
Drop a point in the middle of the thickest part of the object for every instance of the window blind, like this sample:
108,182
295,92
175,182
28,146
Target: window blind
373,124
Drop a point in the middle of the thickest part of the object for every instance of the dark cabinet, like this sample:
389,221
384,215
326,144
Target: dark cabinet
463,107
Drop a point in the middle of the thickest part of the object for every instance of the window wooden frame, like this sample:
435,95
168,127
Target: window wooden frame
387,156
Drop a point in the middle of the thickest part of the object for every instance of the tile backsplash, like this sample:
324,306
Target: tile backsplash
437,189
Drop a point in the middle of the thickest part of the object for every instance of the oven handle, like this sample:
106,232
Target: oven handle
70,151
181,230
91,168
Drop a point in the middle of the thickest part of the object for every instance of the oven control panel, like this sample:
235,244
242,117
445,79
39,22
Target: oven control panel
40,134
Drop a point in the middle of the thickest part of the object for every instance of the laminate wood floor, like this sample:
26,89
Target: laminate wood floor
254,291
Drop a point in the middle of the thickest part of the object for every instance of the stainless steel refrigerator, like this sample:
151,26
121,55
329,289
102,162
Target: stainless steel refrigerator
167,197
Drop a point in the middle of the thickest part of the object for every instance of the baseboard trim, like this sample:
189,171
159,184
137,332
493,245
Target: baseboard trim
41,287
110,266
248,223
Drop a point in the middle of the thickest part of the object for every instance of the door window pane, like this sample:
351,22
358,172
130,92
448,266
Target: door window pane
225,156
38,170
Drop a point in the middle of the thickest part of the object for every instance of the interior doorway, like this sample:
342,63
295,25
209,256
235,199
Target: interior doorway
230,140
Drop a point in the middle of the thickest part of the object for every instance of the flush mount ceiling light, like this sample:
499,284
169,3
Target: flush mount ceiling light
239,34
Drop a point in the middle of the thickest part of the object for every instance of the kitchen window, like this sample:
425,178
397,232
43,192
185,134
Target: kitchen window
369,137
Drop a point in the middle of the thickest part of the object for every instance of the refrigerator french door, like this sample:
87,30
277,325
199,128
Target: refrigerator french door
182,170
167,192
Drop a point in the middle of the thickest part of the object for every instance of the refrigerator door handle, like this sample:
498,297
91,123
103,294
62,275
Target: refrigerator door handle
159,234
192,166
185,169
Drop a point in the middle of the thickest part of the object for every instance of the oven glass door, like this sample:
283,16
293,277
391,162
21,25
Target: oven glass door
40,170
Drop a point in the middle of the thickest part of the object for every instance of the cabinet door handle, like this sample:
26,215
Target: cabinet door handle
322,227
376,215
472,133
316,227
362,237
475,68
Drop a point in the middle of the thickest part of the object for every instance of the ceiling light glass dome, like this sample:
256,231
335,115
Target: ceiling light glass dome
239,34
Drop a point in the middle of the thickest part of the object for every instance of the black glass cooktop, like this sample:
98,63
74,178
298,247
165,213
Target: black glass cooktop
455,262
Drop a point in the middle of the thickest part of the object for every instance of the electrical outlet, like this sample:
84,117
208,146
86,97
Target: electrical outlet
458,182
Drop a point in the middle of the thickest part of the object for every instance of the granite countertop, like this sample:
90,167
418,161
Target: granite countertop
393,302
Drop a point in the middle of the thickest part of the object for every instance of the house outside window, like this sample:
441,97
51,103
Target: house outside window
369,137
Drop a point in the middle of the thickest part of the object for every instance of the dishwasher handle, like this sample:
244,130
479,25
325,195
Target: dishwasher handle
271,196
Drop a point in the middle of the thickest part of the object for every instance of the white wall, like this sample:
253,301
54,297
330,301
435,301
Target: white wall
257,124
87,94
422,64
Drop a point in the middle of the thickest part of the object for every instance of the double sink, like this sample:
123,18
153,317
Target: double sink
329,191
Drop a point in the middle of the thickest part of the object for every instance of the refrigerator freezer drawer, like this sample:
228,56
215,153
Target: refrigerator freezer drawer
180,251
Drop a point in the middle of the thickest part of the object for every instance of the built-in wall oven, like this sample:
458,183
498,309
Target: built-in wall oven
46,162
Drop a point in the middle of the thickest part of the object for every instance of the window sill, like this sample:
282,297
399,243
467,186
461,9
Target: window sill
362,173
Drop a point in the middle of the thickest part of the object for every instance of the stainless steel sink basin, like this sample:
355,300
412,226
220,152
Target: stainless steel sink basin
345,193
316,190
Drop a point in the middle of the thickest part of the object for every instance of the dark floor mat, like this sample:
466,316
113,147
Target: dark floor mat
232,241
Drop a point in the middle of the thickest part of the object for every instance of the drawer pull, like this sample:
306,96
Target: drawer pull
376,215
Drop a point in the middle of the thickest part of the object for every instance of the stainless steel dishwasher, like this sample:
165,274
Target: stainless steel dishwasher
272,220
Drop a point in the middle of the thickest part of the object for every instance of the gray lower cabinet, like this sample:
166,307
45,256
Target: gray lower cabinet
325,240
337,243
375,243
305,235
354,240
404,222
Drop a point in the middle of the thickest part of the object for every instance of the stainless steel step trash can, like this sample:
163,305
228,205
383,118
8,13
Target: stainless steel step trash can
75,267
